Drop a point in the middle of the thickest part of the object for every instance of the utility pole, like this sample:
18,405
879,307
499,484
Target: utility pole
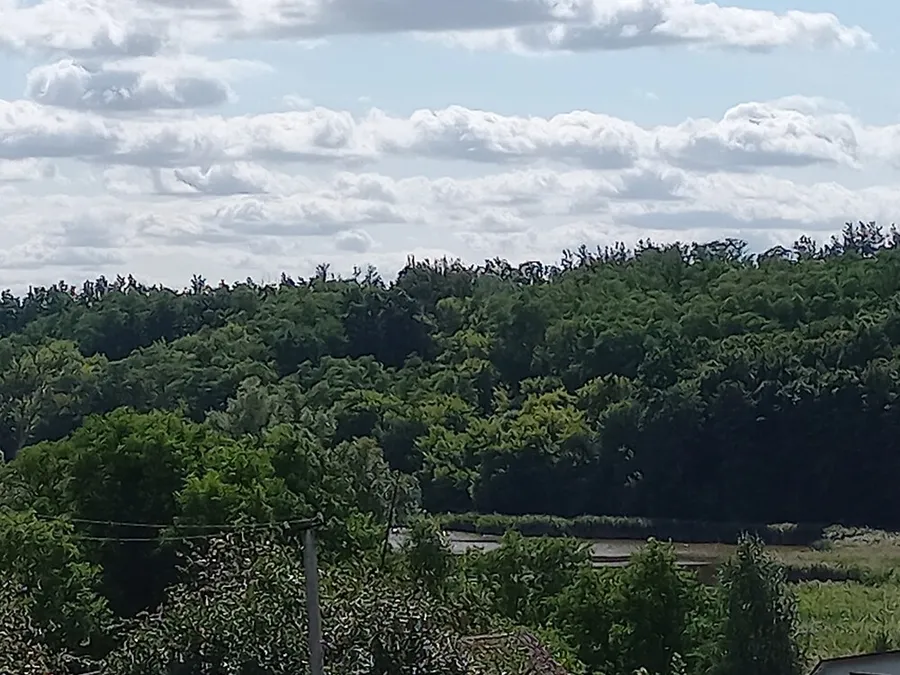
390,521
314,615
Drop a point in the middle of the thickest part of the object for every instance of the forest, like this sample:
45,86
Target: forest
148,430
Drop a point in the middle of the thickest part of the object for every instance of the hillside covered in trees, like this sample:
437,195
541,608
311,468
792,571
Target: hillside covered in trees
691,382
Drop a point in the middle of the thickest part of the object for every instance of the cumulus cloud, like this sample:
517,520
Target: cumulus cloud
318,135
507,202
575,25
626,24
29,130
591,139
124,155
759,134
787,133
519,214
142,27
295,102
136,84
234,179
355,241
26,170
83,28
90,240
43,253
239,219
545,25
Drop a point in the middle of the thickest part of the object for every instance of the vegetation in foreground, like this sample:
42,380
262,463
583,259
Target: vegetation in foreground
678,383
239,609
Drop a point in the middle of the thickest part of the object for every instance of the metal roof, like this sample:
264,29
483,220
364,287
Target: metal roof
854,657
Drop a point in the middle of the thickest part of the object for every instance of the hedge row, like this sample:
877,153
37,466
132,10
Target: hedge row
611,527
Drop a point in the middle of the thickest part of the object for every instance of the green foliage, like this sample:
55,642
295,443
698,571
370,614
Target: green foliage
848,618
45,390
429,561
645,615
242,611
122,467
23,649
60,588
521,576
376,629
166,477
653,605
585,612
760,626
609,383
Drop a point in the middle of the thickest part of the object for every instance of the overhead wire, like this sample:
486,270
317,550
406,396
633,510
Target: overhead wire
303,522
212,530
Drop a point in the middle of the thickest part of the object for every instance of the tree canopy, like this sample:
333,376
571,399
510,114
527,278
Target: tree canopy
667,381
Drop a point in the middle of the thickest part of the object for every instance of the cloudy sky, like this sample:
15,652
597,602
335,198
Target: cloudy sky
249,137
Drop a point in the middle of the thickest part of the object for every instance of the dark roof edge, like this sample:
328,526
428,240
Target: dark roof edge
854,657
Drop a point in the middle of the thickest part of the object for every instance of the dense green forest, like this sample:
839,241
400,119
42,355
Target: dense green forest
694,382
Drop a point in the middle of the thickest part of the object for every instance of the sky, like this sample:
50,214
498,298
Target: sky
246,138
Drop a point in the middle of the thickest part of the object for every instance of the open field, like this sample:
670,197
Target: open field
865,556
859,613
839,618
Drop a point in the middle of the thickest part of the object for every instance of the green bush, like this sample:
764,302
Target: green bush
614,527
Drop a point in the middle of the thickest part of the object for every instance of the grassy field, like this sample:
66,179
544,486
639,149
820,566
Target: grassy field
847,617
864,556
841,618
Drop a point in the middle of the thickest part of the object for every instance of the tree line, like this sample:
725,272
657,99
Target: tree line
684,381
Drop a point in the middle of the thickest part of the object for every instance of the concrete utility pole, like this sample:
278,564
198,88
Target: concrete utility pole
311,567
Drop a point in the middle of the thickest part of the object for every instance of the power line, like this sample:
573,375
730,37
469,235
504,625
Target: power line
213,530
125,540
301,523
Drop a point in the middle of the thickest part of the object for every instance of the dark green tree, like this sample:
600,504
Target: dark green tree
759,633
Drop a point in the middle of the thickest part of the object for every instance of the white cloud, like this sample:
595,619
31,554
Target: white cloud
88,28
235,178
787,133
511,213
295,102
29,130
88,242
317,135
354,241
760,134
137,84
26,170
589,25
116,161
144,27
299,216
43,253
